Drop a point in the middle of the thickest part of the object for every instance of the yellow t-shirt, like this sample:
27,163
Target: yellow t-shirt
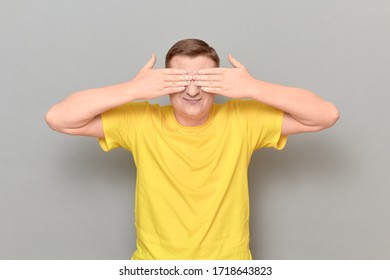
191,188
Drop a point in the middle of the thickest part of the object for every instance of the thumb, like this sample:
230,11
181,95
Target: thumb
150,63
234,62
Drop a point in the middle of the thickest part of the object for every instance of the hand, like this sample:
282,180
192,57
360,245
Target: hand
152,83
233,82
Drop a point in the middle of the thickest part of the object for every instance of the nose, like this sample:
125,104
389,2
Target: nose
192,90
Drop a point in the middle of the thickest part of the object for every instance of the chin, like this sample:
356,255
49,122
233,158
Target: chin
192,111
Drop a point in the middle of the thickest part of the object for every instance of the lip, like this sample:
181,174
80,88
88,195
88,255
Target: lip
192,100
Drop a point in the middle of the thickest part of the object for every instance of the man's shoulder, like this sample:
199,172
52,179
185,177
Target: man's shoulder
136,110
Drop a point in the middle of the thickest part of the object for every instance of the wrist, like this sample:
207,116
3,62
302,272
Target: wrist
128,90
257,89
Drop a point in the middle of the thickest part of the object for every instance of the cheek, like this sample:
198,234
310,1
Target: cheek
176,101
209,97
173,97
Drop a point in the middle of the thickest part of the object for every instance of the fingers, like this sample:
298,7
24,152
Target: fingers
174,71
150,63
167,71
211,71
209,81
181,83
208,84
172,90
177,78
175,82
210,77
218,71
234,62
214,90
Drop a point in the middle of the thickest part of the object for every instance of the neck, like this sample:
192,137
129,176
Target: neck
192,120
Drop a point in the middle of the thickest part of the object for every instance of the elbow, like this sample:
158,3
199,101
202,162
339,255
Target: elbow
51,119
332,116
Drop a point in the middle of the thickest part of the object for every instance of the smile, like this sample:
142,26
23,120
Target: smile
192,100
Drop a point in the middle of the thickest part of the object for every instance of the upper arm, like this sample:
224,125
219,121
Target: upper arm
93,128
292,126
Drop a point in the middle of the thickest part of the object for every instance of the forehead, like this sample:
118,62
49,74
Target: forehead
191,64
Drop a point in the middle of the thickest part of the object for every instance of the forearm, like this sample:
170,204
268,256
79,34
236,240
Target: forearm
305,111
81,107
303,105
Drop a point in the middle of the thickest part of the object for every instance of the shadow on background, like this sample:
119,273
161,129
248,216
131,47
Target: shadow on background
304,171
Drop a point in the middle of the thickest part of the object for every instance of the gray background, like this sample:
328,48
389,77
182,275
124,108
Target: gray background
326,196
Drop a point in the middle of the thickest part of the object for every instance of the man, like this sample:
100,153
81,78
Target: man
192,156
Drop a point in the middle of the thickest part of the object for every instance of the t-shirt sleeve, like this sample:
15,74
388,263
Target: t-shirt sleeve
264,125
120,125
